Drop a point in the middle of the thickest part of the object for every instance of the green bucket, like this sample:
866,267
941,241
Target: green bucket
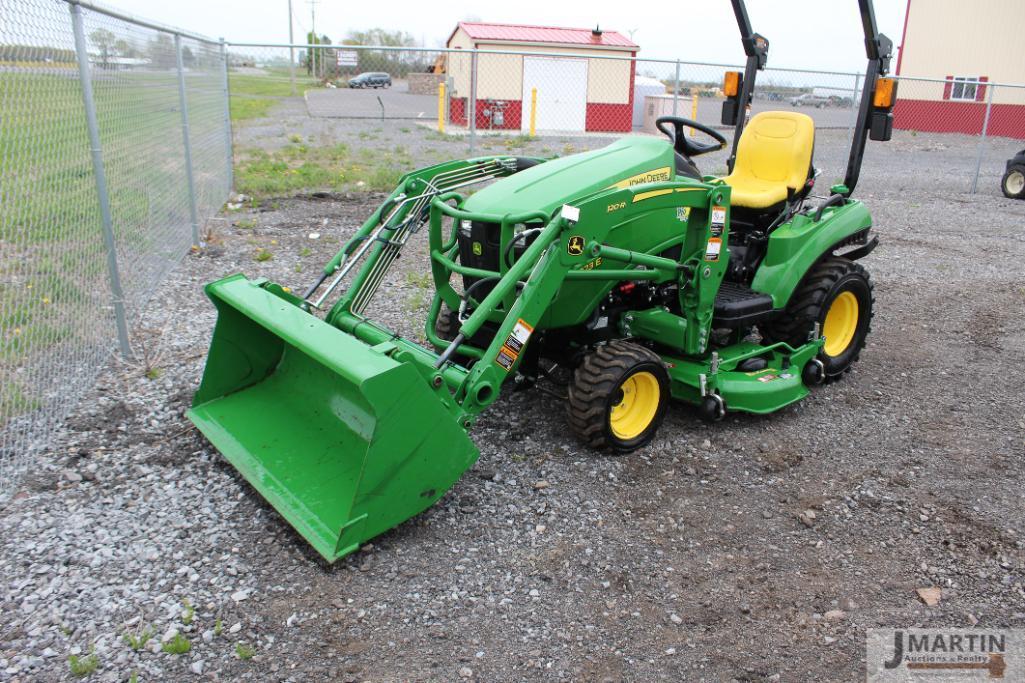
344,441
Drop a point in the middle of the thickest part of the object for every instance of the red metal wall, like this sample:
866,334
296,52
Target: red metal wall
616,118
513,114
950,116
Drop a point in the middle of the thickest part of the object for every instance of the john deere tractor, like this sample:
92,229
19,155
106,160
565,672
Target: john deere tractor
624,268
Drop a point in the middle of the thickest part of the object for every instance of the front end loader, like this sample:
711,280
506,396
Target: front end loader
623,270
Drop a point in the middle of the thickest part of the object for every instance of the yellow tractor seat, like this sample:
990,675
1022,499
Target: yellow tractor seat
774,154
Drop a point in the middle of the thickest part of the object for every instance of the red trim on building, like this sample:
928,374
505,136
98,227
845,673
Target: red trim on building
512,114
934,116
947,87
980,90
528,33
616,118
603,117
903,37
457,111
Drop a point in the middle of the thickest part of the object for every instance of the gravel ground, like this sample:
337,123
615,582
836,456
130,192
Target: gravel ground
758,549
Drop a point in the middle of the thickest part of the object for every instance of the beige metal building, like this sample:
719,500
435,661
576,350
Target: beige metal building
573,93
967,44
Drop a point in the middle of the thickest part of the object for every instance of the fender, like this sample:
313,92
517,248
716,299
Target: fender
796,246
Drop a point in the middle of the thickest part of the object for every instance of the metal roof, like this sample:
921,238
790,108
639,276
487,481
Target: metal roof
523,33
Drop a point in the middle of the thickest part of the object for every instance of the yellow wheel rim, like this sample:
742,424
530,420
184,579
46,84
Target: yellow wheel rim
636,406
841,323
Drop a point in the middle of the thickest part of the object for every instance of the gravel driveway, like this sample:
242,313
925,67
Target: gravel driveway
758,549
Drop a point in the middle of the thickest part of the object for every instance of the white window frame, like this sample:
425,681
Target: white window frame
967,84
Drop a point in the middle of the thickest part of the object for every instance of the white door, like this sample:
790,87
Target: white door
561,92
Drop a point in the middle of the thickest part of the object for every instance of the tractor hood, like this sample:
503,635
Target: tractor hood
628,161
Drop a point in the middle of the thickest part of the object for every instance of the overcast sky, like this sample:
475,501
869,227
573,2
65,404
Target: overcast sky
811,34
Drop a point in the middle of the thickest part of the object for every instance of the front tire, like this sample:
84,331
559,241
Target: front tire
618,397
837,295
1013,182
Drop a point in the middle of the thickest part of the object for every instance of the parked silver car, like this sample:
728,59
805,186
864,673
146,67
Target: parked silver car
809,100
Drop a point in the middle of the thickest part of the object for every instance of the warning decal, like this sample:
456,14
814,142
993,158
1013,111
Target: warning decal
718,215
718,220
514,344
713,248
505,360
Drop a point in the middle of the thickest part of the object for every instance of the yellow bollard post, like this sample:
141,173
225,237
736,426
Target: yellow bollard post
533,111
441,107
693,108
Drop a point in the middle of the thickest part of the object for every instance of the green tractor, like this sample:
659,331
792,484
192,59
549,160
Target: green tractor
642,279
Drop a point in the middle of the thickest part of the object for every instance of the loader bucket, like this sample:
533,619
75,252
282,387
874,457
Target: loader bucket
342,440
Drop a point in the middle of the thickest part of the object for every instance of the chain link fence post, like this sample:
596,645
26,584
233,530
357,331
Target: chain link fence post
472,108
228,143
676,89
183,104
982,139
855,102
107,224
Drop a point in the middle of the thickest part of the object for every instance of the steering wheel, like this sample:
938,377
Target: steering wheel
682,143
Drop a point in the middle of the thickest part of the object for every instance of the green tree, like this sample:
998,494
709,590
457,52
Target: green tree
105,40
316,59
380,36
161,52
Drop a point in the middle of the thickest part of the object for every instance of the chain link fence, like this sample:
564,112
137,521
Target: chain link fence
114,150
116,147
984,122
590,98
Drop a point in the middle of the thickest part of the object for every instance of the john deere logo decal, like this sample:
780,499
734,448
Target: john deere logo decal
477,249
575,246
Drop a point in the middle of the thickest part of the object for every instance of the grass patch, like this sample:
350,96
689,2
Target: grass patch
253,95
244,651
517,141
178,645
302,168
137,641
81,667
188,612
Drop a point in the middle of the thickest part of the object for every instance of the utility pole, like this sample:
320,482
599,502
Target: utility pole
313,30
291,50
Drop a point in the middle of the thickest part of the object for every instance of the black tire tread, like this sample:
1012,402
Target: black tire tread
597,377
1003,182
805,306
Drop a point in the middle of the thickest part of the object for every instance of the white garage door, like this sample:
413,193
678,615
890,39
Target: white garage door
561,92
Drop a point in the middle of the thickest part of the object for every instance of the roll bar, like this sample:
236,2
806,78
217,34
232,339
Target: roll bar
756,47
879,124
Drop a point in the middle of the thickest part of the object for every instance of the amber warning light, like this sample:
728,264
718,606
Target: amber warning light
731,84
885,92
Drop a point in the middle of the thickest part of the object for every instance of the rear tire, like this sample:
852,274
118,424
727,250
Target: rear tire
837,295
1013,182
618,397
447,324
